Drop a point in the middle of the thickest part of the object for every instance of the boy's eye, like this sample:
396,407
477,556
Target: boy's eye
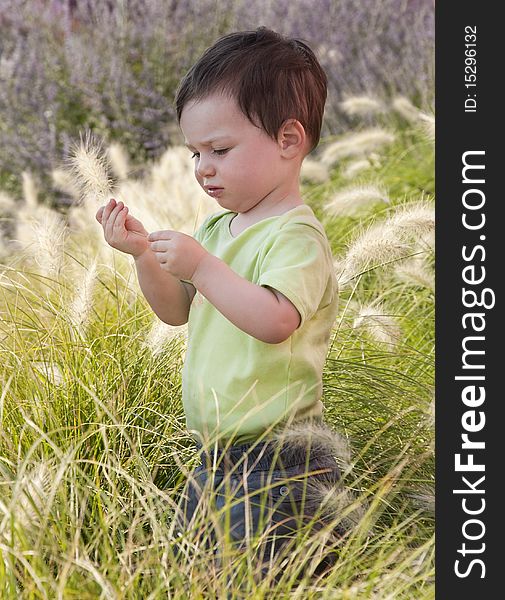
218,152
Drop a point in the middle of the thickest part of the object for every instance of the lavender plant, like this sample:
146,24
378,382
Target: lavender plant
114,67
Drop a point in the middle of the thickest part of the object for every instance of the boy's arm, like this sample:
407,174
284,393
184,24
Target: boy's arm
261,312
169,297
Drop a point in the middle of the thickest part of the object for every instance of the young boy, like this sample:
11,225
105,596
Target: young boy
255,283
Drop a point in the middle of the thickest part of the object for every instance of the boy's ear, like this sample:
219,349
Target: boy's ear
292,138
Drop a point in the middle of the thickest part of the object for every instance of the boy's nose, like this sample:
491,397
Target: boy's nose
205,168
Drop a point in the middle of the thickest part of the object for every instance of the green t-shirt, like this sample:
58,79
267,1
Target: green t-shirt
235,386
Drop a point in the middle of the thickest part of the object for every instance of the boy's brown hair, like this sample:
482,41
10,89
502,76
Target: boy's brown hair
272,78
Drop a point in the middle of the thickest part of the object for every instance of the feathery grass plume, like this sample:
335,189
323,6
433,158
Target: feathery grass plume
404,107
377,245
415,271
298,436
119,160
30,192
353,199
30,495
90,169
387,241
161,334
428,410
426,241
356,144
80,308
431,414
413,115
51,371
382,327
424,498
49,236
427,123
413,220
361,106
63,181
336,502
355,167
314,171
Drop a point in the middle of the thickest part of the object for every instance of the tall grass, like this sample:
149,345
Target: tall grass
94,451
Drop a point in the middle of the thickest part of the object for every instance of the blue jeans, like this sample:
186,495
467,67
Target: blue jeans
270,490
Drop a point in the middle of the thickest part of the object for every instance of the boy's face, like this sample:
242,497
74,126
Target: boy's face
242,160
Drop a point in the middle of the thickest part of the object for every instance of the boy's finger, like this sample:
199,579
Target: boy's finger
121,217
166,234
159,246
107,209
112,219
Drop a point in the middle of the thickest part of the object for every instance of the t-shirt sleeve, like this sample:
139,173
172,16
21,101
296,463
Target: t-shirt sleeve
296,263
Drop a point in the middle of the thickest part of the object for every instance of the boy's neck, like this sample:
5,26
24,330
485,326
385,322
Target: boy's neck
243,220
262,211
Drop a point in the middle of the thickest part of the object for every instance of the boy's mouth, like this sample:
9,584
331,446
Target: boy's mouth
213,190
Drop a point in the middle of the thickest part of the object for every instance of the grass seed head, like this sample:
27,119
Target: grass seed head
161,334
413,220
30,496
356,144
351,200
361,106
314,171
415,272
82,304
382,327
377,245
297,437
404,107
50,371
427,124
49,236
30,191
90,169
355,167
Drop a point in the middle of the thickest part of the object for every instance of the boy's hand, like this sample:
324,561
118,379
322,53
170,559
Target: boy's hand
177,253
121,230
